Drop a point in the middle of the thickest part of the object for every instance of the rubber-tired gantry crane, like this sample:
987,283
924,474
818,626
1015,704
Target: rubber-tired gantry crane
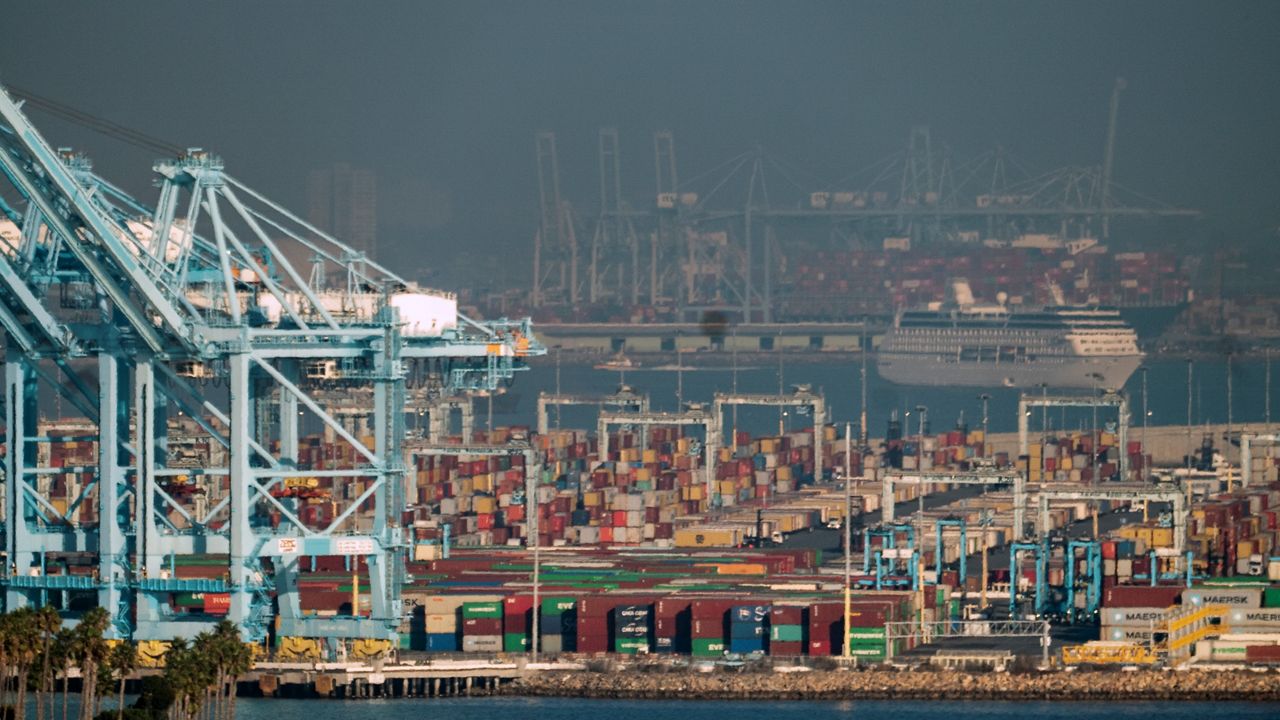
126,311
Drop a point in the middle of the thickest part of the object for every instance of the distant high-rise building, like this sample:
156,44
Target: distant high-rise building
343,201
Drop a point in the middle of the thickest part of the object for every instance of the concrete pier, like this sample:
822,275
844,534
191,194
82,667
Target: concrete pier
429,679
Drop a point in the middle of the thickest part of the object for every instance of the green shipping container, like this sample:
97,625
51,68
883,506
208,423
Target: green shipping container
188,600
482,610
786,633
708,647
631,646
1271,597
858,633
868,654
515,642
558,606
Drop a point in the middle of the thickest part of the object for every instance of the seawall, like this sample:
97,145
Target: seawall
906,685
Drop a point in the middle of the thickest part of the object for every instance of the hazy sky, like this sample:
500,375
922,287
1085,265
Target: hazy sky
442,99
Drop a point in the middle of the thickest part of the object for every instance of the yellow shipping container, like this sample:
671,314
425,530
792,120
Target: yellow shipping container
483,504
707,537
1161,537
650,456
740,569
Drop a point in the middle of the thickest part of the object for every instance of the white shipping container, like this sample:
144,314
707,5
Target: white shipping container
1250,616
1233,597
1142,616
1127,634
482,643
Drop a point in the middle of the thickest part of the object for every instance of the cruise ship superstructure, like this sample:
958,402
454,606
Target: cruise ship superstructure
991,345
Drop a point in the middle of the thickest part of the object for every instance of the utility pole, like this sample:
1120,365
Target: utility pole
984,397
1227,450
862,434
848,533
1189,448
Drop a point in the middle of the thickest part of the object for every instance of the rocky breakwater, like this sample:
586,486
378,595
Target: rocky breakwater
907,685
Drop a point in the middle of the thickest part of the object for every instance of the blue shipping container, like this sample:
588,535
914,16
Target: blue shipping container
749,613
744,645
442,642
748,630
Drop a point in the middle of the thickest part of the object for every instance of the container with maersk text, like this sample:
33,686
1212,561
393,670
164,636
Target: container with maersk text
1231,597
1130,616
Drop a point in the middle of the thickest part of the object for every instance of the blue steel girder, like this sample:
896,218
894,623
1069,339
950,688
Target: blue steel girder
959,524
42,177
145,271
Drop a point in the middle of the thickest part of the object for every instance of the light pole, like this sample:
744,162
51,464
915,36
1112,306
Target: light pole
1093,430
1044,411
984,397
1146,414
922,411
848,533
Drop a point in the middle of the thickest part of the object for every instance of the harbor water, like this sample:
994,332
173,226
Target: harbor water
576,709
1166,395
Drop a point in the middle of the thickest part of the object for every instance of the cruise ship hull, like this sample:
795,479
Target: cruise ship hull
1072,372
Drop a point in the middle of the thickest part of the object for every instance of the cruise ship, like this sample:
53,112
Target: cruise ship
970,344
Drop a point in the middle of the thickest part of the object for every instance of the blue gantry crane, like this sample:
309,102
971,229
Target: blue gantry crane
129,313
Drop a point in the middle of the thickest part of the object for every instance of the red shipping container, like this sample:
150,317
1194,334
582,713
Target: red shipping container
482,626
217,603
786,648
707,609
1262,653
1121,596
593,643
786,615
819,648
708,629
517,623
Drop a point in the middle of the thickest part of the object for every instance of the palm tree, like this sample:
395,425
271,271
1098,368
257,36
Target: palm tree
49,622
232,658
91,650
26,625
17,653
122,661
62,651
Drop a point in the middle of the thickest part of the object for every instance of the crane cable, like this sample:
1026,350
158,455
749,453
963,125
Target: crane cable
106,127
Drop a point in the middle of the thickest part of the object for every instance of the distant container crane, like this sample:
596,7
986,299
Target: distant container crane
719,242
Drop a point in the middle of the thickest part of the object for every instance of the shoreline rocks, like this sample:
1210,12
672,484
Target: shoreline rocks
886,685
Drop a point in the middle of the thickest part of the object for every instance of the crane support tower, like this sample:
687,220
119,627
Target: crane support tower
625,399
694,414
980,477
802,396
1108,398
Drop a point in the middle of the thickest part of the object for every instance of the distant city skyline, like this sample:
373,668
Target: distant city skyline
342,200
